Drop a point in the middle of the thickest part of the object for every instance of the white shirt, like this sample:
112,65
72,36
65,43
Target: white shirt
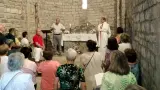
21,82
25,42
30,67
124,46
4,65
57,28
93,68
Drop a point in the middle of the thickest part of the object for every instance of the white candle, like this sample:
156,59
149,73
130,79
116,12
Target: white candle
70,25
87,24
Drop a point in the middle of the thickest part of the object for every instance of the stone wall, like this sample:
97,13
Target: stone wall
71,12
20,14
143,18
13,14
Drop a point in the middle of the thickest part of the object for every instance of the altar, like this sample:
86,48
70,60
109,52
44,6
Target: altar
77,41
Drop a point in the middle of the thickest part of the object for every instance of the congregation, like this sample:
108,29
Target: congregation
20,64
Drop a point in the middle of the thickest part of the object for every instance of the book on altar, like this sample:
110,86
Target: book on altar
98,78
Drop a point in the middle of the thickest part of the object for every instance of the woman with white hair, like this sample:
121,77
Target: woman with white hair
70,76
16,79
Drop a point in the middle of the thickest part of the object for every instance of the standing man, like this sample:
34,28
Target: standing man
2,37
104,33
38,45
57,35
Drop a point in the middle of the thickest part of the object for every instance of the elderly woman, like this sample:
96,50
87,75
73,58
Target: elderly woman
91,62
125,44
118,76
70,76
16,79
48,70
112,45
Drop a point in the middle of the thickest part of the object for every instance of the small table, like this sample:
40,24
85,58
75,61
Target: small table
46,32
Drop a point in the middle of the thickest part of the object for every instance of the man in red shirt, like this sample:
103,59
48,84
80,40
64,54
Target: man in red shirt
38,44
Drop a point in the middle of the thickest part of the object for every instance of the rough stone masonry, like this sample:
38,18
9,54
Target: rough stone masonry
142,22
21,14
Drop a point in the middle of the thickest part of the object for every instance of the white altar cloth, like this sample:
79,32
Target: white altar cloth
78,37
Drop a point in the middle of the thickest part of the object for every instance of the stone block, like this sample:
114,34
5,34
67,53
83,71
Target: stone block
155,12
15,11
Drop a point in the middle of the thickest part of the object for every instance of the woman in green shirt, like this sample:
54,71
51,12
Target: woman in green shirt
118,76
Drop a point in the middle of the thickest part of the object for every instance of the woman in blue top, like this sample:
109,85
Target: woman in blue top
132,61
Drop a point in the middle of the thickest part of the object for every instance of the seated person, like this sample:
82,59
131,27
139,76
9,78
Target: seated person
24,41
17,41
48,70
2,36
69,75
29,66
11,45
38,45
10,35
132,61
125,42
3,59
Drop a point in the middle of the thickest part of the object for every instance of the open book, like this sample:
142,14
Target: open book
98,78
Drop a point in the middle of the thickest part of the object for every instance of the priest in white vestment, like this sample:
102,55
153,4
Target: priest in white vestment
104,33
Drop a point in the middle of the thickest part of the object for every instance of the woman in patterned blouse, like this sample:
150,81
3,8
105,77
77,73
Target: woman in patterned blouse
118,77
70,76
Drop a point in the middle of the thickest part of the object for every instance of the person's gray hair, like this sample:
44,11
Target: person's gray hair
71,54
15,61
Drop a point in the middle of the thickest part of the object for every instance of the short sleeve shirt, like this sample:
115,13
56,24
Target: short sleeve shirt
48,70
38,39
70,76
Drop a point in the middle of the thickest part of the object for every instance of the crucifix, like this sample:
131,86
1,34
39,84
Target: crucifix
36,15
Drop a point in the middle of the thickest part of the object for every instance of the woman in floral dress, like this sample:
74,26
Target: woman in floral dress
70,76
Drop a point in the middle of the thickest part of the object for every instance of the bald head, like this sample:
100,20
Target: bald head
38,31
2,28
